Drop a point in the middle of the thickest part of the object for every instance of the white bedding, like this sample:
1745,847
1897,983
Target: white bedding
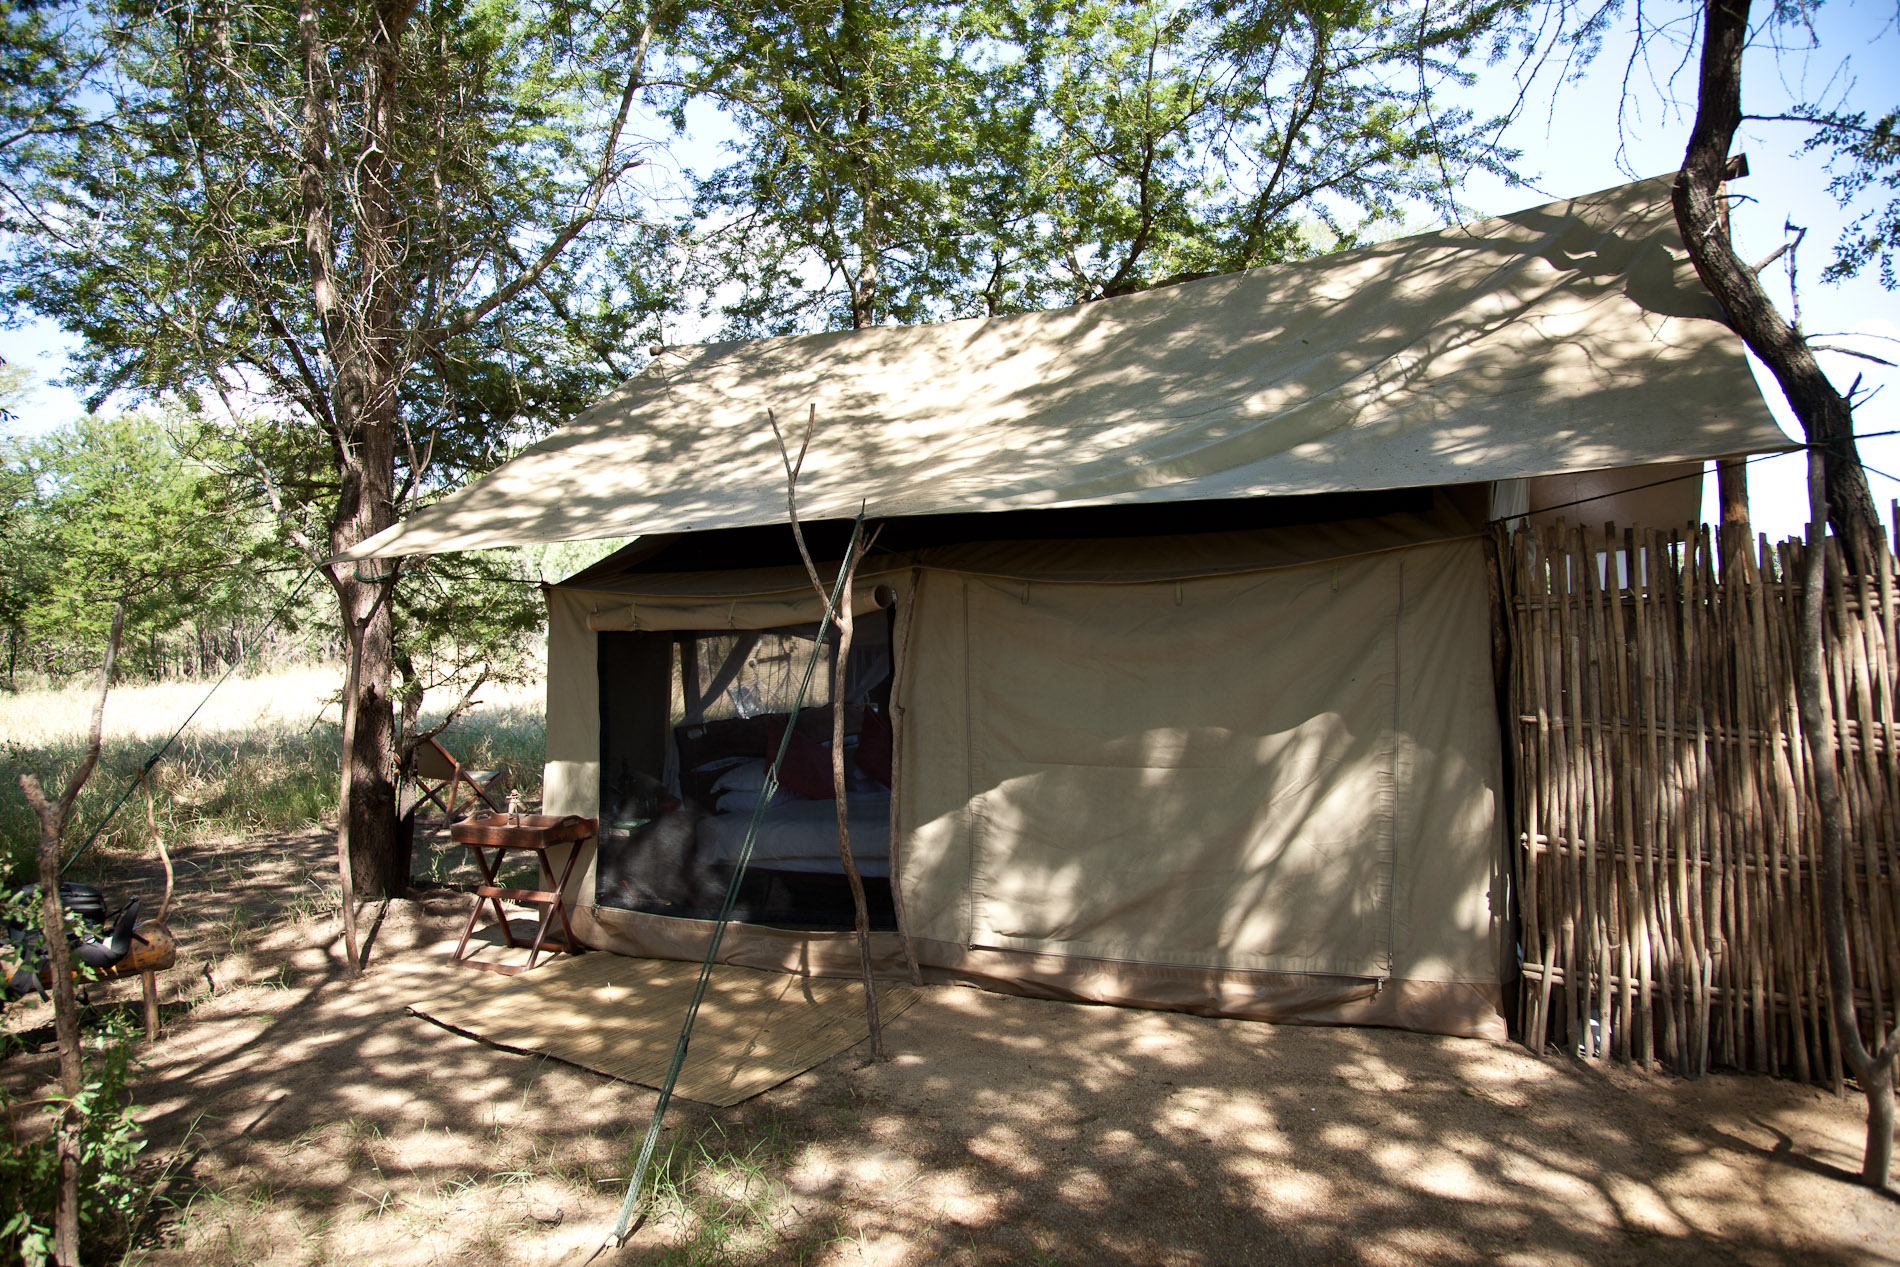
802,835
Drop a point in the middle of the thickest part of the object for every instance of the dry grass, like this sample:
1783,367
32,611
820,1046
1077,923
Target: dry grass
260,756
294,699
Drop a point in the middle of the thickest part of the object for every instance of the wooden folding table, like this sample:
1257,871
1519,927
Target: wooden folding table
532,833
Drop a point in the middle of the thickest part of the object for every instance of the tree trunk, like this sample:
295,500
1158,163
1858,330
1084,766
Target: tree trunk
1824,413
1837,492
364,349
1736,533
1872,1070
408,795
866,282
378,863
1877,1163
365,507
864,287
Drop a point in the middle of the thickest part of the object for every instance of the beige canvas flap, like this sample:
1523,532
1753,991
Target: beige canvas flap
1195,774
1573,336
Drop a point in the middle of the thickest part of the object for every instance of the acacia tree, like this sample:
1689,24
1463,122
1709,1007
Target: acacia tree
1825,413
43,67
858,125
1839,491
1863,154
1207,138
916,160
117,508
367,233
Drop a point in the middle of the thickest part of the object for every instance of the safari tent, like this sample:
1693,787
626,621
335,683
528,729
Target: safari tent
1173,684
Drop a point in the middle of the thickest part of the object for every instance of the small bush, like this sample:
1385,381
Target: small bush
110,1192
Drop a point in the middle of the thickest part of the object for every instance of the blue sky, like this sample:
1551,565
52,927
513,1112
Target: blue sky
1574,143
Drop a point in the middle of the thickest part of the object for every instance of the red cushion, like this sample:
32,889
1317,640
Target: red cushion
874,746
807,768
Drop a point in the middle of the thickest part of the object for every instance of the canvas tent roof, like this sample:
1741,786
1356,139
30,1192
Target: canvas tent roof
1572,336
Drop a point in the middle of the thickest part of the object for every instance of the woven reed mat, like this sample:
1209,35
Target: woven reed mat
621,1016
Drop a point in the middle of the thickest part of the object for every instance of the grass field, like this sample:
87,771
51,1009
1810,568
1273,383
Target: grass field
261,755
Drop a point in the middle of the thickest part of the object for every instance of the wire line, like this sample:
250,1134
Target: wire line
160,751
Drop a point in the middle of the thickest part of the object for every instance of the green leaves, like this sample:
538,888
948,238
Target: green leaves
1864,156
44,65
913,161
111,1193
860,127
391,256
382,257
120,509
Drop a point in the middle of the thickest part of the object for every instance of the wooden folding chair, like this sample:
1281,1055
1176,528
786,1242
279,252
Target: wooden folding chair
438,773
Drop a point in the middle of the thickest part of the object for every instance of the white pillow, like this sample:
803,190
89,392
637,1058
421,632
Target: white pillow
746,776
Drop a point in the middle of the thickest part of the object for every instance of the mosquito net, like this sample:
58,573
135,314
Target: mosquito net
689,723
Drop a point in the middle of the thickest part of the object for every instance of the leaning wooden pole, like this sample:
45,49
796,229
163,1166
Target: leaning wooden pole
861,907
343,800
900,662
1873,1070
59,966
52,819
843,618
158,839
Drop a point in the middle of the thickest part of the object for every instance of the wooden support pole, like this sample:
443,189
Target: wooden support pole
345,879
148,984
844,620
59,963
900,665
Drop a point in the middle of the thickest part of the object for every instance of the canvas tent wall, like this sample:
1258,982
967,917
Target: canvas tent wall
1180,770
1252,771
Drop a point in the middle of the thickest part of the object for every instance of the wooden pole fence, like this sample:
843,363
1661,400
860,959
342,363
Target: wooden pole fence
1667,842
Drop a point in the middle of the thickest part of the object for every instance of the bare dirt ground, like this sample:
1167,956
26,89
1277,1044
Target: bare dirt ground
308,1118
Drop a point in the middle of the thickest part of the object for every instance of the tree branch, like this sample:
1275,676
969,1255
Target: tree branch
604,176
314,167
1825,415
1865,356
792,469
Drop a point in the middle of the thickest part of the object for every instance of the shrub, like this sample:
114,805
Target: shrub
109,1144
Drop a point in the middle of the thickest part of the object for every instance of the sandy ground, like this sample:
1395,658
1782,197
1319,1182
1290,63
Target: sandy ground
300,1116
